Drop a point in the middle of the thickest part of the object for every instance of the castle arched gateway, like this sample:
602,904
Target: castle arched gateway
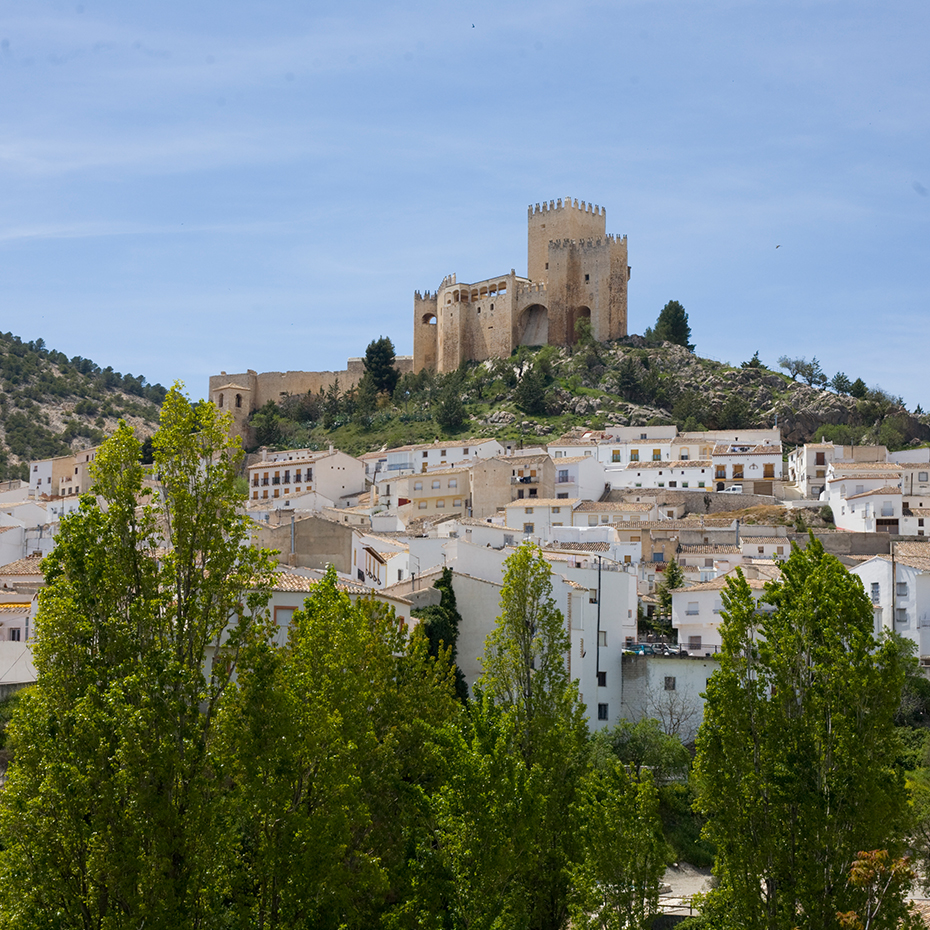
575,271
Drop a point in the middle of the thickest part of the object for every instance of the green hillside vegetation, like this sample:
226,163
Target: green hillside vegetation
544,392
48,400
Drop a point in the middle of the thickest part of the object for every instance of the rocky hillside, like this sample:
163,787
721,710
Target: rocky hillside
51,405
548,391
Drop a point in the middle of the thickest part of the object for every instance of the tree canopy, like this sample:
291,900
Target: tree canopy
672,325
379,364
795,760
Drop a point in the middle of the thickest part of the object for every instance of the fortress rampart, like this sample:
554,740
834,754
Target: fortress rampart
575,271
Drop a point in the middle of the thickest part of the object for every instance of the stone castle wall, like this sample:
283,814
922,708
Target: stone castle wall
575,271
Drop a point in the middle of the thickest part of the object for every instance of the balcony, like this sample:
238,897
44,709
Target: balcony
524,479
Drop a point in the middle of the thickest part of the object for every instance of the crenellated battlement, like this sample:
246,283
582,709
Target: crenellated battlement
426,295
534,287
568,204
598,243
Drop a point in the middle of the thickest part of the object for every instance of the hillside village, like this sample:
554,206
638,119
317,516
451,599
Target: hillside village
611,509
643,518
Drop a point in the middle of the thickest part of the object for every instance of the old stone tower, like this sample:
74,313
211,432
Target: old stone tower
575,271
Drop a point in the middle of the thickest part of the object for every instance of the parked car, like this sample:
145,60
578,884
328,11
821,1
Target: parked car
732,489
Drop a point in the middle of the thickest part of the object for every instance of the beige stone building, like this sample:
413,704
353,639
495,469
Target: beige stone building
575,271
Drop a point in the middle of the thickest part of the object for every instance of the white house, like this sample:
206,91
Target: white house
753,465
581,476
899,588
696,608
332,474
537,517
684,473
424,456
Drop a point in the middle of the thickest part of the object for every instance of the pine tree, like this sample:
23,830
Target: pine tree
672,325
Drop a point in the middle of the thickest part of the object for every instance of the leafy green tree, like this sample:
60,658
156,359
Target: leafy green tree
379,364
523,752
440,622
112,816
795,760
617,880
449,410
794,366
673,578
334,745
672,325
644,746
754,362
530,395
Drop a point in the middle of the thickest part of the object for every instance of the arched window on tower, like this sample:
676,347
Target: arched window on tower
238,400
220,404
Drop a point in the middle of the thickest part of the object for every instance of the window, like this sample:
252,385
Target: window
693,609
615,456
592,519
694,642
669,682
563,475
14,635
508,539
436,483
602,679
656,455
417,485
900,617
440,503
529,528
453,482
602,712
902,589
876,592
737,471
422,505
556,509
465,451
587,278
527,509
592,595
821,458
634,455
442,454
238,400
602,638
457,503
921,476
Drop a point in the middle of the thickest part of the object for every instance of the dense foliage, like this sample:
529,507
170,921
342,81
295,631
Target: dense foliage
177,767
796,765
48,400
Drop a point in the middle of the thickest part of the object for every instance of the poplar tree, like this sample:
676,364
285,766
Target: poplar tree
795,760
111,817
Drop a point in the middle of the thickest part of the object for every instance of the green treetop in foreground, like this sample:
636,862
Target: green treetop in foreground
109,817
795,762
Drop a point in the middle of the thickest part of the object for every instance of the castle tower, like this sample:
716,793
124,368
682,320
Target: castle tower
559,219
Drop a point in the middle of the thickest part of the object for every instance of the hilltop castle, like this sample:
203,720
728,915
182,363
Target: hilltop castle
575,271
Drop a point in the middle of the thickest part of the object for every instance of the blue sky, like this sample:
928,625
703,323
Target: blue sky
187,188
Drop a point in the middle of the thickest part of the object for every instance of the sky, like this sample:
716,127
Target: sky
187,187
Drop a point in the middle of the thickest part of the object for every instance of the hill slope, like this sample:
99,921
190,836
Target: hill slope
51,405
548,391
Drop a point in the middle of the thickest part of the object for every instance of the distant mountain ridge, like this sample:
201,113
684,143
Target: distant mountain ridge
51,404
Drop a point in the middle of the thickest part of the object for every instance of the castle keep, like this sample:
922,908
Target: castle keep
575,271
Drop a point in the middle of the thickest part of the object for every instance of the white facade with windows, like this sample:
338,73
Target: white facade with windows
899,590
